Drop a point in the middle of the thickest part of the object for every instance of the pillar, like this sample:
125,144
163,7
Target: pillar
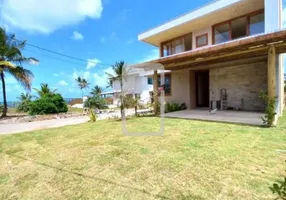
155,92
271,72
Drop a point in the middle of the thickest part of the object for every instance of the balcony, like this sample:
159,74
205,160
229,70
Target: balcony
239,27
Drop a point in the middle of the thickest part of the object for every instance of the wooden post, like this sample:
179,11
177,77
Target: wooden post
155,92
271,72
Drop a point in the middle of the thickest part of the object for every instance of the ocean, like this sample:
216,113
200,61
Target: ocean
13,104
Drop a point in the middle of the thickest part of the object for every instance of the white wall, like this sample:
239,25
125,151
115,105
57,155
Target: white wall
135,84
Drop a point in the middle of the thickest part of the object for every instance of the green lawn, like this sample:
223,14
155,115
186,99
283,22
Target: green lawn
192,160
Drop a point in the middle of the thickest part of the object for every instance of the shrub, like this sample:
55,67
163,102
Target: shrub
172,107
95,102
48,104
279,188
24,106
270,113
92,116
59,102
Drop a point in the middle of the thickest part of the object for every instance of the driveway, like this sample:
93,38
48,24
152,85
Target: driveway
37,125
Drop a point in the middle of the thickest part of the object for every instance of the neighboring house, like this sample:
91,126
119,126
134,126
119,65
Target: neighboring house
137,83
223,55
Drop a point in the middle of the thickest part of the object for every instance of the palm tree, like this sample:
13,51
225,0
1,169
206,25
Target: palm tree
25,97
120,72
96,91
25,100
45,90
109,83
82,84
11,59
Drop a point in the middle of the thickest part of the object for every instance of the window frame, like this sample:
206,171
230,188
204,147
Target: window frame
248,15
166,75
202,35
169,49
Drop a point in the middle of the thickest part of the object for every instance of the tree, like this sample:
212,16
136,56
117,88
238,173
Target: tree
95,102
11,60
82,84
96,91
25,100
120,72
45,90
109,83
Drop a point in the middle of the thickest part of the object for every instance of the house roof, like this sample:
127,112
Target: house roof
248,47
203,17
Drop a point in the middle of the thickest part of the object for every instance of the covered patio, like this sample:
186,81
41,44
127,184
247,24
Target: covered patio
238,117
252,54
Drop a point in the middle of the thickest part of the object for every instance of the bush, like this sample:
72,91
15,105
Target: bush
270,113
95,102
173,107
48,104
59,102
24,106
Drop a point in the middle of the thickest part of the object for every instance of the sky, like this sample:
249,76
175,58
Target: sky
100,32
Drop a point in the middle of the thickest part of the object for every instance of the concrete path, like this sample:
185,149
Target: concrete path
239,117
31,126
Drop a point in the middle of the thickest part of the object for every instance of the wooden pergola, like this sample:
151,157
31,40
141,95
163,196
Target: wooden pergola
262,47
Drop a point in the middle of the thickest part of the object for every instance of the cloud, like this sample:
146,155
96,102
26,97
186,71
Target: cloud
77,36
92,63
63,83
83,74
101,78
47,16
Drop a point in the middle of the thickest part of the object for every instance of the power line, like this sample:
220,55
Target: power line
49,56
64,55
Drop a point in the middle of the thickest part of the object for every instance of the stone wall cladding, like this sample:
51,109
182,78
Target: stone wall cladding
242,83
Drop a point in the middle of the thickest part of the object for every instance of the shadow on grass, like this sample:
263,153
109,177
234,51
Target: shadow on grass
90,177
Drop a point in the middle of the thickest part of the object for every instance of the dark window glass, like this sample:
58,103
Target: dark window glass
239,28
150,81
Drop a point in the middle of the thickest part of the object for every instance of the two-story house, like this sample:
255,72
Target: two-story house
223,55
137,83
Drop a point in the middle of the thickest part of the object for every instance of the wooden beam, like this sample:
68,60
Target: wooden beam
239,62
271,72
155,92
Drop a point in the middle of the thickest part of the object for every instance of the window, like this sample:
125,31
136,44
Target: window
167,85
239,27
177,45
221,33
150,81
202,40
256,24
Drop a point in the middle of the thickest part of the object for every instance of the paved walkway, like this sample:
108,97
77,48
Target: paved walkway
240,117
31,126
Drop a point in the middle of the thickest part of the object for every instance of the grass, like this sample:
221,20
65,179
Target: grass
192,160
